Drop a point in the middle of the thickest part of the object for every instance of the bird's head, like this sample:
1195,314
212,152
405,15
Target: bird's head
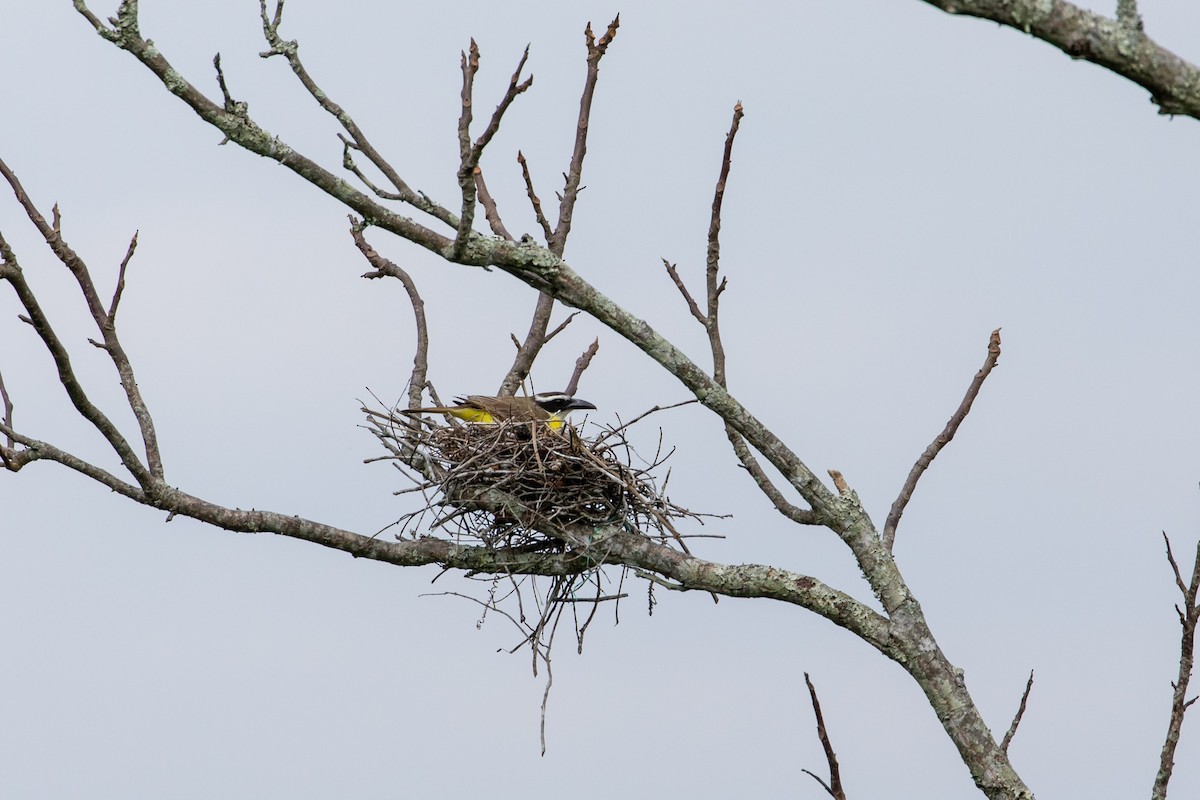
559,404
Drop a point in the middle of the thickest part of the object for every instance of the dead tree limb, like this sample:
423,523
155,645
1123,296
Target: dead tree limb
556,240
834,787
1119,45
387,268
1012,729
1189,616
942,439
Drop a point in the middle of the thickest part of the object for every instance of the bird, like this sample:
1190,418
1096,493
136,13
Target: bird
549,407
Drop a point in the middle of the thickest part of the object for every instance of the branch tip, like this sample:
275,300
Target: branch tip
939,442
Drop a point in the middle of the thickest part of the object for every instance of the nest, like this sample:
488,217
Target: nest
522,485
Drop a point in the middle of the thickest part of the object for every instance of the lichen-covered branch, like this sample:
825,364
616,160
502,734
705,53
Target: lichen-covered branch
1119,45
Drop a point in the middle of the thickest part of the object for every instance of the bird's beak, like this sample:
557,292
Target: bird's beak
576,403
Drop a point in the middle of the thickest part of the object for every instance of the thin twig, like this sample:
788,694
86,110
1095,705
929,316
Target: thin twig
1189,616
711,323
597,599
596,48
466,180
581,364
834,787
471,153
530,346
943,438
385,267
1012,729
562,326
687,296
8,412
490,211
290,50
533,198
231,105
644,414
795,513
116,298
556,240
546,692
713,261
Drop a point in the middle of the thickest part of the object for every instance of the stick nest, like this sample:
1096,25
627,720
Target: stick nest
525,486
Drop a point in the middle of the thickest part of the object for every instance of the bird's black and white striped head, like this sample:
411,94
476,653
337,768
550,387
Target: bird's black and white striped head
559,404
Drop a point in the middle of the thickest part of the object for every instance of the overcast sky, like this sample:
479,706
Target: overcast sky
904,182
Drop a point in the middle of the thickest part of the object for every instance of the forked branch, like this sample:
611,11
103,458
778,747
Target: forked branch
556,239
1189,616
710,320
290,50
110,343
470,153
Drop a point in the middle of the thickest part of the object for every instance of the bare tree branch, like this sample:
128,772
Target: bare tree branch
112,345
8,263
581,364
596,48
943,438
712,269
536,337
1012,729
687,296
834,787
386,268
556,240
711,323
7,419
471,153
533,198
116,298
562,326
535,266
1189,616
490,211
35,450
290,50
529,347
1119,45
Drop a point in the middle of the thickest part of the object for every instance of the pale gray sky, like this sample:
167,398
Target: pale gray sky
904,182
